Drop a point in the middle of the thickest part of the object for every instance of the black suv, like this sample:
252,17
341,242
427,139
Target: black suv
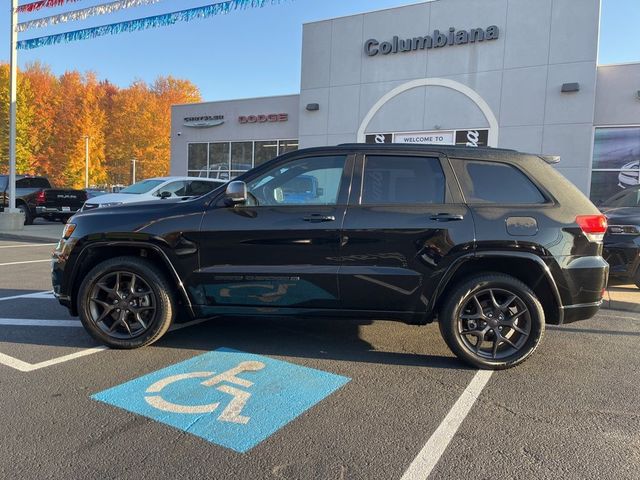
491,243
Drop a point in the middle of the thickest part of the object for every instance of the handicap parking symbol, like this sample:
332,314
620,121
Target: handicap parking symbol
230,398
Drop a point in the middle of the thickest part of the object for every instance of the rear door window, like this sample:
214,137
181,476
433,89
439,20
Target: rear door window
394,180
495,183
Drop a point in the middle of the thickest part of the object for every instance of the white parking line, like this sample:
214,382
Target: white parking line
39,295
27,322
30,367
29,245
24,263
429,456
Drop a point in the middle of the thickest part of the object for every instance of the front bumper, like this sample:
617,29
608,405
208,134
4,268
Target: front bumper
623,254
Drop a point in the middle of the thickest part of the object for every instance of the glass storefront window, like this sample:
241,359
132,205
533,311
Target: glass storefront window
197,159
265,151
287,146
241,155
616,161
227,160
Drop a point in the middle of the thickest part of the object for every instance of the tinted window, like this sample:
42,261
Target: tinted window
488,182
3,184
402,180
200,188
305,181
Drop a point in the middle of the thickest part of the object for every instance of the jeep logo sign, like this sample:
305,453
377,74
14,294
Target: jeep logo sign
439,39
264,118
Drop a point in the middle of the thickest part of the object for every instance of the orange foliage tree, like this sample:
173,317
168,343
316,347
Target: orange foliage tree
57,114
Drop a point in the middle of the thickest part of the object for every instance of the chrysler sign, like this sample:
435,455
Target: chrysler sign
439,39
205,121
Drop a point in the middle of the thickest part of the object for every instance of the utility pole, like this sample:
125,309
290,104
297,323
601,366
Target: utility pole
86,161
11,218
133,161
12,105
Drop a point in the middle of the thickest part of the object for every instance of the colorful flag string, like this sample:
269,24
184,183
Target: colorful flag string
83,14
40,4
145,23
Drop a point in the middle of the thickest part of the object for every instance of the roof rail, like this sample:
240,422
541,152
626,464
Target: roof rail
550,159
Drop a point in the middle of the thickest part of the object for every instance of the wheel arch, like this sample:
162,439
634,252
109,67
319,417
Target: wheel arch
95,253
528,268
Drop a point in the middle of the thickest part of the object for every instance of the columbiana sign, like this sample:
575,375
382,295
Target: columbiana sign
439,39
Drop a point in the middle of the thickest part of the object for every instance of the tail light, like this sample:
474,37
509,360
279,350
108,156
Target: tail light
41,197
593,226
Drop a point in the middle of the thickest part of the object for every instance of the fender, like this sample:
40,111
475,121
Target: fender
137,244
453,268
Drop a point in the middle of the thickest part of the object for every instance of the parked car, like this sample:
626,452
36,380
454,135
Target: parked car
156,189
491,243
36,198
622,241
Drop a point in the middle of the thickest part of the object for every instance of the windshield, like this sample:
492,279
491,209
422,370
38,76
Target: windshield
142,187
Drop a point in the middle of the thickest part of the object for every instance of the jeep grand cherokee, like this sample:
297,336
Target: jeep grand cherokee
491,243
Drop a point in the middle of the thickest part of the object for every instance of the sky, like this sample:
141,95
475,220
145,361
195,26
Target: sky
250,53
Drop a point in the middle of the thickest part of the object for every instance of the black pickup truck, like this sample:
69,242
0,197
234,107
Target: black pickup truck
36,198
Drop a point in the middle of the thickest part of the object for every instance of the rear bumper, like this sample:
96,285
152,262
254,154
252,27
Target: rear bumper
55,211
581,283
575,313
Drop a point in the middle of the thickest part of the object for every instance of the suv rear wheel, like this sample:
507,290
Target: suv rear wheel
492,321
126,303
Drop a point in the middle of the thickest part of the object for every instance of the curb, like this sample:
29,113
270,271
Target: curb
28,238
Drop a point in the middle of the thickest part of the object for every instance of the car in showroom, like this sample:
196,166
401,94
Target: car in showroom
155,189
491,243
622,241
629,175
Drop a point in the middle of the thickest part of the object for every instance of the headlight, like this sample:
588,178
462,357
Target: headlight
114,204
69,228
624,229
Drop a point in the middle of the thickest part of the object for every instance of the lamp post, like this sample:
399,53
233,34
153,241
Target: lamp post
10,217
133,171
86,161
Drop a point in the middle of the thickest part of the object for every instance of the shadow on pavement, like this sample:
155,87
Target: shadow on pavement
328,339
593,331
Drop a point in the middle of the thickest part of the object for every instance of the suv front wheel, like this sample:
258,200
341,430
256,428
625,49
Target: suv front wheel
492,321
126,303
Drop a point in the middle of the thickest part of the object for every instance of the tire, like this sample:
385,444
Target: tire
492,313
155,305
637,278
28,217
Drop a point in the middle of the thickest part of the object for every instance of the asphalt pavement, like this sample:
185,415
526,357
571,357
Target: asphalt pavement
308,399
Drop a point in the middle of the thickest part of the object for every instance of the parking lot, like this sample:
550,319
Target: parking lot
375,400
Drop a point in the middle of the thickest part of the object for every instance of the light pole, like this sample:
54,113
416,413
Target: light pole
10,218
133,161
86,161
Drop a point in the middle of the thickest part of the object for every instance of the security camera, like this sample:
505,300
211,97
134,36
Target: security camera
179,134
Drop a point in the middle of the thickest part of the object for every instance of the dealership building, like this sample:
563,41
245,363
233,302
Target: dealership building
515,74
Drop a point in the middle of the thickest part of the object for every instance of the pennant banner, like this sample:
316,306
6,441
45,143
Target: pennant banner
83,14
145,23
35,6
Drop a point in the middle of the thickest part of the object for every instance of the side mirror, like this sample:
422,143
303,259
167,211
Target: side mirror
236,193
165,194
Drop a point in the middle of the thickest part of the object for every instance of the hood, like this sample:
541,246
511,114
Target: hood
623,215
117,197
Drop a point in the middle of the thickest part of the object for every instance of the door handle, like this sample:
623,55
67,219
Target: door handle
319,218
446,217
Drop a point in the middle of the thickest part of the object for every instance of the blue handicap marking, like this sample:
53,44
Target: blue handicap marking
230,398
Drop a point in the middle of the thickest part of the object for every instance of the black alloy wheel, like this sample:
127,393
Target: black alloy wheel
126,303
122,305
492,321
